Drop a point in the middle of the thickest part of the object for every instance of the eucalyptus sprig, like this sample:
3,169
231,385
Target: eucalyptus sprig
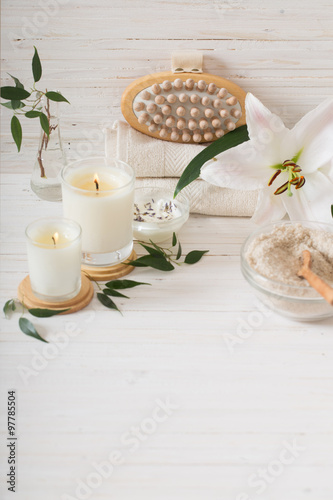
26,326
165,259
111,289
28,103
158,258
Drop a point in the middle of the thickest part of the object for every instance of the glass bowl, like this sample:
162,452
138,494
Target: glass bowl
300,303
157,215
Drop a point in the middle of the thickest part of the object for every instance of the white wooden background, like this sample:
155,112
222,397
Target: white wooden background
237,408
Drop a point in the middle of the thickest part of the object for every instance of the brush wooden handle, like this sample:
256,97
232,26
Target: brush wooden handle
314,280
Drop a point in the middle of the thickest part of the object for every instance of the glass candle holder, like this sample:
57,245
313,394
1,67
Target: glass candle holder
54,258
157,215
98,193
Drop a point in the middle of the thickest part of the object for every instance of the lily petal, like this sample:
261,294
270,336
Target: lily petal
328,170
269,207
313,134
260,119
241,167
313,201
266,130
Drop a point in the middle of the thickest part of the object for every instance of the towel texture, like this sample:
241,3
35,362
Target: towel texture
208,199
161,163
148,156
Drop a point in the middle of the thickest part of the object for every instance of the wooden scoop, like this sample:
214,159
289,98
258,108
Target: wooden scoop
317,283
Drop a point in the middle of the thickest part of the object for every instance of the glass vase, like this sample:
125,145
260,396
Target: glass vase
46,179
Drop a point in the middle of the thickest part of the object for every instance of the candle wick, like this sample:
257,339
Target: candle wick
97,185
54,241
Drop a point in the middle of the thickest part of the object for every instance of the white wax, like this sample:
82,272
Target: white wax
156,218
54,269
105,215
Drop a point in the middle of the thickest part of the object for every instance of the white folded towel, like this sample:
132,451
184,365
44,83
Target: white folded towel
208,199
148,156
160,163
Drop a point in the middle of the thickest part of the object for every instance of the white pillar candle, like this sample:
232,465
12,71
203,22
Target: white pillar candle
98,194
54,258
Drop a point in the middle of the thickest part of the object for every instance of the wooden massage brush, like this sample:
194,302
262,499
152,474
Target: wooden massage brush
184,107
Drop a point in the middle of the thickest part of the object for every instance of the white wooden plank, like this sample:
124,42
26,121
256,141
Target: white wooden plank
238,408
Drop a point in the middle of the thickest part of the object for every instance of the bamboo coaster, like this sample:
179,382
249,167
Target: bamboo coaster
84,297
100,273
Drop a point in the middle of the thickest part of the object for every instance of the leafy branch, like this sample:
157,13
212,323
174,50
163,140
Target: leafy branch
158,257
111,289
18,98
25,325
165,259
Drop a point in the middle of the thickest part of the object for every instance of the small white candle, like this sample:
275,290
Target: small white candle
157,215
98,194
54,258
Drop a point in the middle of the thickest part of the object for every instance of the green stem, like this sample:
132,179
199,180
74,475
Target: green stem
290,178
92,279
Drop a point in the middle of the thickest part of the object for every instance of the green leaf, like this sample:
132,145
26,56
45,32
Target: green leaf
32,114
123,284
36,66
46,313
17,81
44,123
16,129
13,104
160,249
179,253
194,256
174,239
155,251
155,262
106,301
14,93
114,293
18,84
56,96
9,307
192,171
28,328
16,104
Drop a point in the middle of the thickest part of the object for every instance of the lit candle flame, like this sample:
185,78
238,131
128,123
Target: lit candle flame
55,238
96,181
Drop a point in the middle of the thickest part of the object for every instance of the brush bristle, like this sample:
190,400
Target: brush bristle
187,111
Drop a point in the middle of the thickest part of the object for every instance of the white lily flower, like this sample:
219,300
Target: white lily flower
298,161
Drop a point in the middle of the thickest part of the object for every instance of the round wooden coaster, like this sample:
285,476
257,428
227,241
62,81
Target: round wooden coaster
100,273
26,296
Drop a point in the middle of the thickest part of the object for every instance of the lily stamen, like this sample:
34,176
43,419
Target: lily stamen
288,163
290,167
274,176
282,188
301,182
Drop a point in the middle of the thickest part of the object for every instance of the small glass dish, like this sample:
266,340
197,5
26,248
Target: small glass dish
299,303
157,215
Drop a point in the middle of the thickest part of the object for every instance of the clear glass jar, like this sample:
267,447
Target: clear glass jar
155,227
54,258
46,178
98,193
299,303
